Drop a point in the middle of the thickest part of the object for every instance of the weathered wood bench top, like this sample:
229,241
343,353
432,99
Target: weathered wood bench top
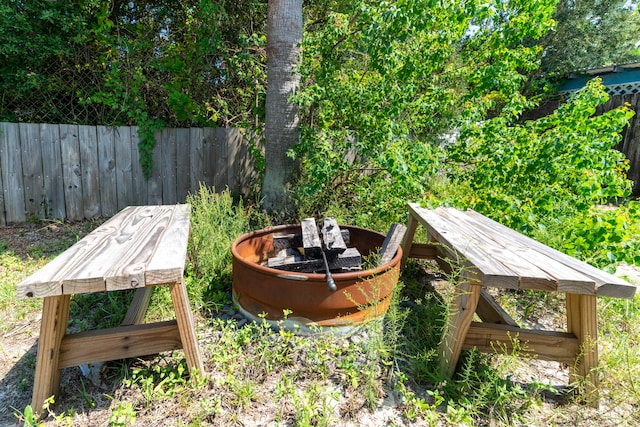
141,245
501,257
492,255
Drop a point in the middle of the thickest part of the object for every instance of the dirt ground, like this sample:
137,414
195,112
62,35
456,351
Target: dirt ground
18,350
18,345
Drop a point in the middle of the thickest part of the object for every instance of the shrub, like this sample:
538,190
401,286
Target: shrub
559,166
216,221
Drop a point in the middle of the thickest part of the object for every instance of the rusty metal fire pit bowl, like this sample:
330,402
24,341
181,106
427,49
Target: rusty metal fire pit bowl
266,292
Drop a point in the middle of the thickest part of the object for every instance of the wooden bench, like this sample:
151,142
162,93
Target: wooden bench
492,255
138,248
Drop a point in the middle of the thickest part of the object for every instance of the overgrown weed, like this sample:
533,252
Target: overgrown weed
217,220
12,271
324,379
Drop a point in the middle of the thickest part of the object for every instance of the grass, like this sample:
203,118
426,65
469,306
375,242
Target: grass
262,376
12,271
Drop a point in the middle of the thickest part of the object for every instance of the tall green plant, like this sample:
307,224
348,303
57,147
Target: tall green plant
142,63
216,221
591,33
526,174
605,236
386,83
36,37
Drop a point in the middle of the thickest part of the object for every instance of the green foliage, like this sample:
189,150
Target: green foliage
12,271
482,387
387,83
415,407
35,34
621,360
375,151
159,380
179,52
123,415
106,309
413,101
314,406
216,221
134,63
605,236
591,33
142,63
29,418
523,174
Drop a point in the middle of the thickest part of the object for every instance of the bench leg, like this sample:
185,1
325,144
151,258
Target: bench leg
186,326
407,241
583,323
490,311
55,315
138,308
461,313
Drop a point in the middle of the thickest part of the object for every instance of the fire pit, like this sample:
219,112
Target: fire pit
261,291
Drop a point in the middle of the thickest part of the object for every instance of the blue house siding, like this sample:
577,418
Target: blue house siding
618,79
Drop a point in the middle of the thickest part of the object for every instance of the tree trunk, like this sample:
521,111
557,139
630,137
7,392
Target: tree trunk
284,36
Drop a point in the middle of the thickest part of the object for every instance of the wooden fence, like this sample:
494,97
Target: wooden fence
630,143
76,172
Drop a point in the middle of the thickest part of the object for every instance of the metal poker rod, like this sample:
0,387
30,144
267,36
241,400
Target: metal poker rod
331,284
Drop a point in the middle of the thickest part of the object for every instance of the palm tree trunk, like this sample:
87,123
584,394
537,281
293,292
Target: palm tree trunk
284,36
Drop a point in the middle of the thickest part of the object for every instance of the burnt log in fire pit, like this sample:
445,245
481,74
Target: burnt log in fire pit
360,296
308,252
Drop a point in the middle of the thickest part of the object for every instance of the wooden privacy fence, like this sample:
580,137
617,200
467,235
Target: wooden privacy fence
76,171
630,143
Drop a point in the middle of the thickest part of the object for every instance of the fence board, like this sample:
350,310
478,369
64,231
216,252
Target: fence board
630,142
245,164
3,219
169,182
88,142
234,148
208,157
154,183
196,156
241,175
107,167
183,163
139,184
52,169
222,160
124,169
11,163
4,146
32,174
71,172
87,171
